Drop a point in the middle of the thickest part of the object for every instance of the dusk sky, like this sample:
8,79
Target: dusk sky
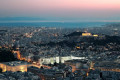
60,10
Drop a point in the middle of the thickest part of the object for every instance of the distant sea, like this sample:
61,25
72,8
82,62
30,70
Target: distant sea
56,24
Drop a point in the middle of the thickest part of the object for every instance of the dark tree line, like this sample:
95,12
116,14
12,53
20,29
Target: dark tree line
6,56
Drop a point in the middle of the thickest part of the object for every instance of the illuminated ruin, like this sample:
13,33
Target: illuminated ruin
86,34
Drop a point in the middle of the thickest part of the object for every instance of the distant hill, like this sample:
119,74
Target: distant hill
6,56
74,34
109,39
62,43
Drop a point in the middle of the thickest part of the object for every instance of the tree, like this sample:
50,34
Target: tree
6,56
0,70
41,67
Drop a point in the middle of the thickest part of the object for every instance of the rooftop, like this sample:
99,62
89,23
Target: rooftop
15,63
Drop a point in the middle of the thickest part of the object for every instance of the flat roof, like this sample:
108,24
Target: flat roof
16,63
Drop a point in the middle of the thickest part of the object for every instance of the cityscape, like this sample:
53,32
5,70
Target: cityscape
59,40
48,53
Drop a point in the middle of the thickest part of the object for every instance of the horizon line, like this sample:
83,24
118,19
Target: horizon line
63,21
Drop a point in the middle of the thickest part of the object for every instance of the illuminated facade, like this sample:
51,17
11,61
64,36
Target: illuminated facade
14,66
89,34
62,59
95,35
86,34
